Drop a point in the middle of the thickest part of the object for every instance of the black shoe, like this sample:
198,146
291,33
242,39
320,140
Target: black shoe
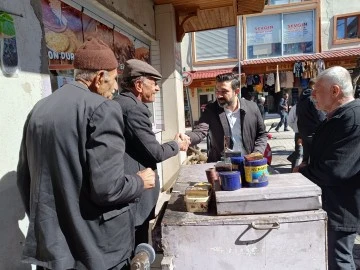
286,129
276,129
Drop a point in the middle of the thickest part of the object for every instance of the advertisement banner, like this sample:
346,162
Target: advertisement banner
298,27
263,30
66,28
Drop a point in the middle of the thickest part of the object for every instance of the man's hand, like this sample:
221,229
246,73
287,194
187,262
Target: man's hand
183,141
296,169
148,177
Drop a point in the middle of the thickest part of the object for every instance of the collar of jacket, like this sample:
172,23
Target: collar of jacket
134,98
342,109
79,85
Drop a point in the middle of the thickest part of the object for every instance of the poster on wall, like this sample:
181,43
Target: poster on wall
66,28
263,30
63,33
298,27
8,48
124,48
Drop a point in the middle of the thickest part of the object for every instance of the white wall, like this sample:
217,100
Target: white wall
330,8
17,96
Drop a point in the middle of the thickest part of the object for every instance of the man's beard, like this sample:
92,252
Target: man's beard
225,103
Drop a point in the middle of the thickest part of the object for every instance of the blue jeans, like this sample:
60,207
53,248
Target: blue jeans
340,250
283,120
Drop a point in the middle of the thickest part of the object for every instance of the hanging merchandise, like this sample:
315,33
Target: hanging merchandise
320,66
277,82
270,79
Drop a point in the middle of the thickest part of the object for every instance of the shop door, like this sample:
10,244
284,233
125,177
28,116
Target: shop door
204,99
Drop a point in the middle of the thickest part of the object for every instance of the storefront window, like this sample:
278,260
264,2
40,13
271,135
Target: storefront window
284,2
280,35
215,44
263,36
347,28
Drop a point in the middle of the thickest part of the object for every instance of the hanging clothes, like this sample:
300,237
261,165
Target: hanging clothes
298,69
277,82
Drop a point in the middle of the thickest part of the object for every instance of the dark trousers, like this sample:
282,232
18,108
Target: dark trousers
283,120
340,250
142,231
306,141
124,265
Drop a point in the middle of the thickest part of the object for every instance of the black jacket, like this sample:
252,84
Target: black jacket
308,116
335,166
71,179
214,123
142,149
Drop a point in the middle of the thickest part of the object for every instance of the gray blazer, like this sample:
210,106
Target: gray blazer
214,124
142,149
71,179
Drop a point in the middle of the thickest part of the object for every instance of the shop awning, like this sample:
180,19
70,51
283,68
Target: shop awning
209,74
333,54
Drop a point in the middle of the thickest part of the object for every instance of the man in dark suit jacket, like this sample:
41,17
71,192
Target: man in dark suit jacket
229,116
335,162
142,149
71,172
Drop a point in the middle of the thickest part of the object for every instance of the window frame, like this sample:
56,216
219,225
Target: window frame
215,61
335,30
314,11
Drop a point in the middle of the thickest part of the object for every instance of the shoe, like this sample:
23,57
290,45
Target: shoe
276,129
286,129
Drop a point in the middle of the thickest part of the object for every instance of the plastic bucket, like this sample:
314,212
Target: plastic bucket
230,180
256,173
238,165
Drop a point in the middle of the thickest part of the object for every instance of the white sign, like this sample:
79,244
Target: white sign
263,30
298,27
187,78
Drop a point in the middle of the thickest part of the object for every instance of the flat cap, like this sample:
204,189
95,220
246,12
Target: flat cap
94,54
136,68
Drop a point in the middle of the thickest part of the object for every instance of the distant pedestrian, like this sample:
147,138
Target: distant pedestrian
296,157
335,163
283,111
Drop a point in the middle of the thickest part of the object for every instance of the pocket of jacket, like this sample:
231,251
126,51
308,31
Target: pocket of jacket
114,213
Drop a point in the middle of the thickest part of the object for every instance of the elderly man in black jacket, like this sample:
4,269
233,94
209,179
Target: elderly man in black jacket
71,172
335,162
139,86
229,116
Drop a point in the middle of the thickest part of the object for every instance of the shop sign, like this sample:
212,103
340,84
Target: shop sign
263,30
187,78
66,28
282,67
298,27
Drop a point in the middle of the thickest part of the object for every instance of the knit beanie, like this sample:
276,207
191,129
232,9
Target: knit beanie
94,54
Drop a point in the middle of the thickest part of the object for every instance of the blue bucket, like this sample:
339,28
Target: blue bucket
238,165
256,173
230,180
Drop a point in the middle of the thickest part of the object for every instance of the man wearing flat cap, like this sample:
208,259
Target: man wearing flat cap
71,172
139,86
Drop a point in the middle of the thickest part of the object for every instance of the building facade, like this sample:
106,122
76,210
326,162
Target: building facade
296,38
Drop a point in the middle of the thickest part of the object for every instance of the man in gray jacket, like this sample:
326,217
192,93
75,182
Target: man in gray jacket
238,119
139,87
71,172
